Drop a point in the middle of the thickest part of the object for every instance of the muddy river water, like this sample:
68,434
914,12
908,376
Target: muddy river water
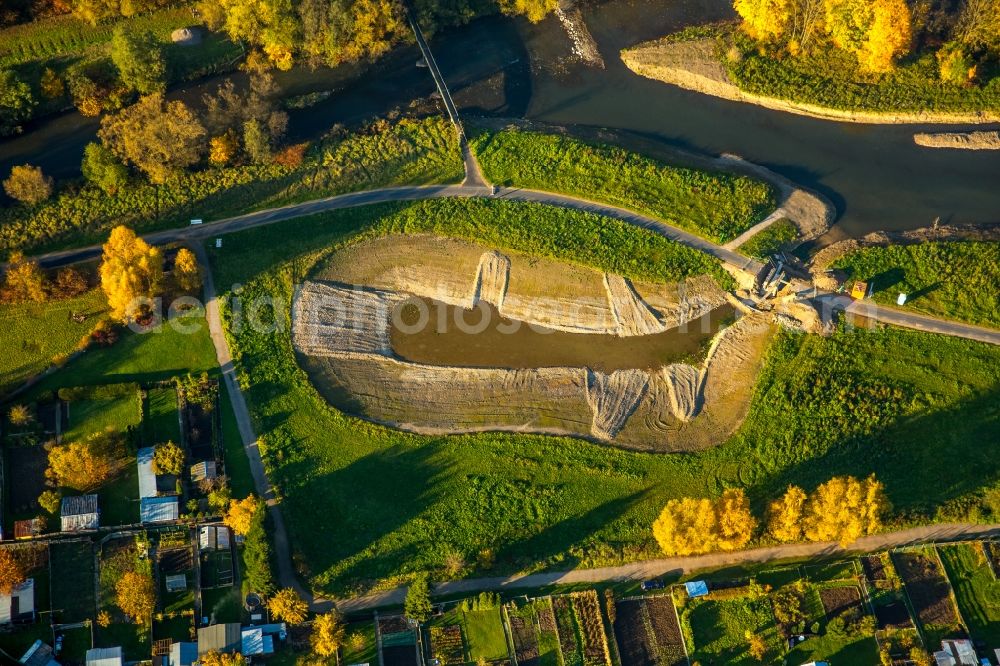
434,333
877,177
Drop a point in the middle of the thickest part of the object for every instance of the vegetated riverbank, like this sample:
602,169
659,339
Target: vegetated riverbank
810,213
721,62
409,151
342,325
951,279
858,402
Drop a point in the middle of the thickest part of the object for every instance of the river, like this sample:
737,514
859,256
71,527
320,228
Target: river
877,177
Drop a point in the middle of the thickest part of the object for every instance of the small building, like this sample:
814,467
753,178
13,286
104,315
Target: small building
176,582
219,638
104,657
147,479
19,604
80,513
159,509
262,639
213,537
182,654
39,654
29,529
957,653
206,470
696,588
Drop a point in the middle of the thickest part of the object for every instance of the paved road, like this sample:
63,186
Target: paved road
679,565
279,535
412,193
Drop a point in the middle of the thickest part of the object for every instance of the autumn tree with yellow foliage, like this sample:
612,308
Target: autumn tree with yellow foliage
85,464
216,658
785,515
135,595
11,572
287,606
239,517
327,634
877,31
842,509
689,526
187,273
765,20
24,280
131,270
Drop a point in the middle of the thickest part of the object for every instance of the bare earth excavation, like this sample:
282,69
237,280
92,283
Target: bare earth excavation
342,323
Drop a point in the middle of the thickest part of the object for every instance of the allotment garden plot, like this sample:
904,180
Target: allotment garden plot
648,632
533,631
929,592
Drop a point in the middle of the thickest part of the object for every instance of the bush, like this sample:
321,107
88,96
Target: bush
955,65
16,103
485,601
256,557
102,168
28,184
99,392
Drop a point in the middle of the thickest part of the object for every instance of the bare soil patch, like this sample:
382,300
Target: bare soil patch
838,600
928,589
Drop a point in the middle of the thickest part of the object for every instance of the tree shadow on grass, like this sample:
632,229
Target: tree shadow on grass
923,460
929,289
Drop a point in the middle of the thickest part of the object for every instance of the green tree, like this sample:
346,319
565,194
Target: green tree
50,500
16,102
257,141
160,138
418,599
168,458
94,11
955,65
51,84
102,168
139,59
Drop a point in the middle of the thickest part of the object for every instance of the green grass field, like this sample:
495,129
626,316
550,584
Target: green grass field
976,590
835,650
717,206
34,333
954,280
222,604
237,463
716,631
117,414
160,423
485,635
861,401
777,236
359,647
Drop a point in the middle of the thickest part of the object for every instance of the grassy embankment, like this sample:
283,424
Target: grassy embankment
862,401
61,41
953,280
776,237
717,206
409,152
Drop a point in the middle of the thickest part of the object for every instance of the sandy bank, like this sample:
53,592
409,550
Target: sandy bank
694,65
959,140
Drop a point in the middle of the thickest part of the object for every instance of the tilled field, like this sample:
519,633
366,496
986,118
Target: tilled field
446,644
838,600
525,641
874,568
648,633
928,589
588,614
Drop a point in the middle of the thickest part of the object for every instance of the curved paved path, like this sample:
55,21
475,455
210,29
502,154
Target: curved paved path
678,565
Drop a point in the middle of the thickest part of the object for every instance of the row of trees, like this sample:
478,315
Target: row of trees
876,31
843,509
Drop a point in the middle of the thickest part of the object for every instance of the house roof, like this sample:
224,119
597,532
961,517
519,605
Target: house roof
39,654
104,656
214,537
219,637
147,480
159,509
696,588
255,641
81,505
25,529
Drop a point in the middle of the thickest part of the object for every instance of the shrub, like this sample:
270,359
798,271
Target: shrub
955,65
102,168
28,184
50,500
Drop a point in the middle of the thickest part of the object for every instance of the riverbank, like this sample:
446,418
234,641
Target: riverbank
696,64
959,140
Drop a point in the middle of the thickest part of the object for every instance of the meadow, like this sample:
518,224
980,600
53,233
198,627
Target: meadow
718,206
954,280
27,350
862,401
977,590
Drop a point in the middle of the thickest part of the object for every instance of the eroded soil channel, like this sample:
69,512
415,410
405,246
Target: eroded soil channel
431,332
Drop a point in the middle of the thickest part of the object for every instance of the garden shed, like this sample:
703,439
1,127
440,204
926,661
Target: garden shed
28,529
80,513
19,603
213,537
219,638
182,654
159,509
39,654
147,479
104,656
176,583
206,470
